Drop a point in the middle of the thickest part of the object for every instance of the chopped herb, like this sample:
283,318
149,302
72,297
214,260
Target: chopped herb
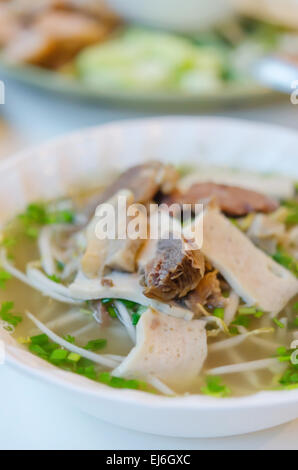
88,371
278,323
286,261
215,388
4,277
73,357
242,320
60,266
38,351
295,307
219,313
247,310
41,340
112,311
70,339
96,344
7,316
54,278
119,382
135,318
259,314
233,330
58,355
289,379
8,242
37,215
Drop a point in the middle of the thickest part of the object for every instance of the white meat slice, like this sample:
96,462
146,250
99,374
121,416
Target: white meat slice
113,253
255,277
171,349
117,285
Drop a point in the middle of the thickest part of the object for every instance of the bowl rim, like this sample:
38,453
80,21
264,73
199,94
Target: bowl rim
264,399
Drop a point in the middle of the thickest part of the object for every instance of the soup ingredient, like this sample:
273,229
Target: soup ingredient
207,292
232,200
116,251
169,348
8,316
4,277
251,273
101,359
215,388
125,286
286,260
144,181
174,270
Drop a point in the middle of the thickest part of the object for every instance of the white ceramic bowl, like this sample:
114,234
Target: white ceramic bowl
186,15
49,170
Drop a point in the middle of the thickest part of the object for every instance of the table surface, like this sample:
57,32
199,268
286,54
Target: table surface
35,417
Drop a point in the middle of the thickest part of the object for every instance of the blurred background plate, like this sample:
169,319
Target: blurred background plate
50,81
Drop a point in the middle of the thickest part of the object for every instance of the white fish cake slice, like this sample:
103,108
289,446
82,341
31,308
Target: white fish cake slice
172,349
255,276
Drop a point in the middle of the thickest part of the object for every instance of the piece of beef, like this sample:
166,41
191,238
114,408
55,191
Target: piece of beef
207,293
173,271
232,200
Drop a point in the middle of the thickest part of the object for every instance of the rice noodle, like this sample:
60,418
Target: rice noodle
236,340
231,308
23,278
264,343
38,277
159,385
125,319
44,245
97,358
246,366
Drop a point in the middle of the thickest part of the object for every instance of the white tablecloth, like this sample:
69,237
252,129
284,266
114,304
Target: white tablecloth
31,415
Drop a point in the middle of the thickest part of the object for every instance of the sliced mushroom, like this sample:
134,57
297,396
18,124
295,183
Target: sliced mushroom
168,348
232,200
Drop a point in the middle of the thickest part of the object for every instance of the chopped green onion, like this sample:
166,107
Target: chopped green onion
73,357
286,261
278,323
247,310
7,316
58,355
70,339
215,388
54,278
96,344
38,351
135,318
41,340
219,313
4,277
